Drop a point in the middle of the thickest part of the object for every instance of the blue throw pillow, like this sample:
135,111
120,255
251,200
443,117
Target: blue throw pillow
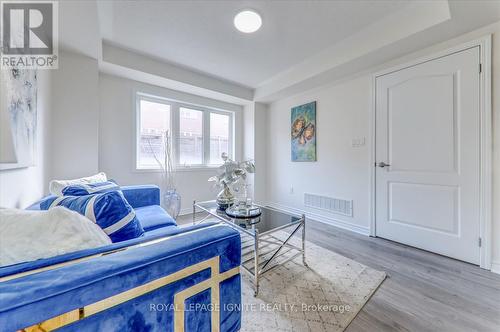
110,211
90,188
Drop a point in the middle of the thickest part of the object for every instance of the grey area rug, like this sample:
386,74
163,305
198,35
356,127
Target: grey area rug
325,296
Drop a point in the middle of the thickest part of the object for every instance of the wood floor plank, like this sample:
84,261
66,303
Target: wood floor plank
424,291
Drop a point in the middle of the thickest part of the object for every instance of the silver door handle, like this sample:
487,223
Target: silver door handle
382,164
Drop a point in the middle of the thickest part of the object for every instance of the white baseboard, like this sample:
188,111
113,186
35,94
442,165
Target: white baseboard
495,267
323,219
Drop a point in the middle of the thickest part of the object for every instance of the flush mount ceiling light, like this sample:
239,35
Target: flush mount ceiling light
247,21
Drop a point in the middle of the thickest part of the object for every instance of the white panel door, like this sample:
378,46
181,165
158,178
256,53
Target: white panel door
428,132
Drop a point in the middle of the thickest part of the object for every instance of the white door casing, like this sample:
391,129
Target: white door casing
428,130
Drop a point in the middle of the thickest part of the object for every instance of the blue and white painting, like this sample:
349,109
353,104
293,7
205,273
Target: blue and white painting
303,132
18,99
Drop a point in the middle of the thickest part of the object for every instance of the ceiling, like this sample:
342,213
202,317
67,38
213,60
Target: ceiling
199,35
192,46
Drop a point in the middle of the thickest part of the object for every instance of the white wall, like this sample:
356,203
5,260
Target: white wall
255,148
261,144
79,27
496,149
75,117
343,171
21,187
249,141
117,138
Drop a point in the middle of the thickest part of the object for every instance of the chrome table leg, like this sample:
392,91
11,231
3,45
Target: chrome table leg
256,262
304,240
194,212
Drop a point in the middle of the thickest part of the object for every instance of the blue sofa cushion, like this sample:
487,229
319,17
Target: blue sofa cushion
90,188
142,195
136,196
110,211
153,216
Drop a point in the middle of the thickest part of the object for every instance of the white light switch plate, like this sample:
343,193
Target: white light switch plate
358,142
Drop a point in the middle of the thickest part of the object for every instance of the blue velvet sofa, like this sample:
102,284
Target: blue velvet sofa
171,279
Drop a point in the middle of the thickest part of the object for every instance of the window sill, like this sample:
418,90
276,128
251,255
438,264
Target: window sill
196,168
179,169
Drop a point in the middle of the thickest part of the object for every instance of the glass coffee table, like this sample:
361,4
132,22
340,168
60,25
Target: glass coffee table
258,232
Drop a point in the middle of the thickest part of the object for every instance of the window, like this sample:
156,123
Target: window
154,122
219,136
190,137
199,135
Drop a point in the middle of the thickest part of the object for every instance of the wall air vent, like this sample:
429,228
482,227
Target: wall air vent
334,205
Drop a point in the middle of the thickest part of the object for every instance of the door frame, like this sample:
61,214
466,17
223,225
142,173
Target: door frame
486,148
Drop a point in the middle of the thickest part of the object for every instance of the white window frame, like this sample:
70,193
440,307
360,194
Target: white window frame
139,98
175,107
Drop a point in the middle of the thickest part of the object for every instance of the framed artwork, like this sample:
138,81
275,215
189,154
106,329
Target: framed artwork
18,104
303,132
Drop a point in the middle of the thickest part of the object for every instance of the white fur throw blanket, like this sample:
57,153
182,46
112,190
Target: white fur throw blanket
29,235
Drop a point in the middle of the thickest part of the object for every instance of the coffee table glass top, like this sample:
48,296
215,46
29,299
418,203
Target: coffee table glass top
270,219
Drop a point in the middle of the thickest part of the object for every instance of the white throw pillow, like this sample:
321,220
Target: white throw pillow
56,186
29,235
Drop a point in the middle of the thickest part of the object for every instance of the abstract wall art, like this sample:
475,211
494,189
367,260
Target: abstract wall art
303,132
18,99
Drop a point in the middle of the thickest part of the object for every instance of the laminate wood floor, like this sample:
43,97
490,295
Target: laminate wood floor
423,291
